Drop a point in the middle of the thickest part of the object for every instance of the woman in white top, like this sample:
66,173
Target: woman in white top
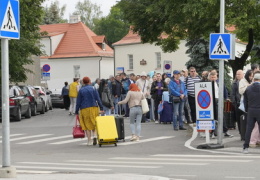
133,98
246,81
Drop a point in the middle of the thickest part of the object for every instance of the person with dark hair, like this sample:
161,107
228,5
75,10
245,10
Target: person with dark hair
89,105
133,98
164,76
116,92
255,67
105,96
125,87
157,89
252,106
65,96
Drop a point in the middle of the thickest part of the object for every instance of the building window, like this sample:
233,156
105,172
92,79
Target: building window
76,71
158,59
130,61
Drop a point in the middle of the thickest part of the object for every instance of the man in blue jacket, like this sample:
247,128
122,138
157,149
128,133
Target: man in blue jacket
177,91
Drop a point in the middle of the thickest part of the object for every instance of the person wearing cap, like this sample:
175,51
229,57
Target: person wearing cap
252,107
177,88
144,85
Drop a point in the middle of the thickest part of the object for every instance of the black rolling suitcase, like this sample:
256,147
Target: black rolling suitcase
242,127
120,127
229,115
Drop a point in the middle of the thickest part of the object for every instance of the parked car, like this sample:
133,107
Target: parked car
19,103
37,102
45,94
56,98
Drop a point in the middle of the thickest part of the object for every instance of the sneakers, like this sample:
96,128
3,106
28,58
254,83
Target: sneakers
182,128
176,129
156,122
213,136
228,135
137,138
94,141
134,138
245,151
70,113
90,142
252,145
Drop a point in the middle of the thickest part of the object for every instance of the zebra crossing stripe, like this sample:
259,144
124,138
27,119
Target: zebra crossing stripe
205,156
146,140
12,135
90,165
29,137
44,140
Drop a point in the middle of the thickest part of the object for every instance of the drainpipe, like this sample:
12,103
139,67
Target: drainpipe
114,61
99,67
50,45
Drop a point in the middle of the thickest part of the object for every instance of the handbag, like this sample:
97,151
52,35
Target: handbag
105,100
145,107
242,105
77,130
160,108
174,99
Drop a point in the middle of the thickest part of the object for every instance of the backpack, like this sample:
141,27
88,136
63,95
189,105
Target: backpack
125,85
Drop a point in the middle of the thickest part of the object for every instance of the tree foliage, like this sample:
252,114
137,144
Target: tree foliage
188,19
20,51
54,14
88,12
112,26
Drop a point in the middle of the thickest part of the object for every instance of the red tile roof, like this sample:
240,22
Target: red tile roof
78,41
130,38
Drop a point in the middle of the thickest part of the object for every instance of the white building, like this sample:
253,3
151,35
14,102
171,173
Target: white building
134,56
73,50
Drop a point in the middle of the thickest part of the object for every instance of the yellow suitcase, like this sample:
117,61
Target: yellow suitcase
106,130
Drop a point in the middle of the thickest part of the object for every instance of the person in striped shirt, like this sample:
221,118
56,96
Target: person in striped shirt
190,85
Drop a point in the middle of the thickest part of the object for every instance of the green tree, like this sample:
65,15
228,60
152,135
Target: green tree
88,12
54,14
192,20
112,26
20,51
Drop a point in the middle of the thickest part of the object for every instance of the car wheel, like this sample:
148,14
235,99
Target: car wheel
43,108
34,110
18,116
29,112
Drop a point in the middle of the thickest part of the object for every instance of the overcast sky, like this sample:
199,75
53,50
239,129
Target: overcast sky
105,5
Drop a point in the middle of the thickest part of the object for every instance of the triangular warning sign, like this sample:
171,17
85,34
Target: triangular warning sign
220,47
9,23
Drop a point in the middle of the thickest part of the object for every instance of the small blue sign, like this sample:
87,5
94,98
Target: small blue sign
204,114
9,19
205,125
46,74
220,46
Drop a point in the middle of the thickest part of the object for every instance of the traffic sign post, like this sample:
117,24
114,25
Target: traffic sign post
9,29
204,98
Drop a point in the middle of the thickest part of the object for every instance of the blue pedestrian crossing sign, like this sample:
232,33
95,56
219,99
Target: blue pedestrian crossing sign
9,19
222,46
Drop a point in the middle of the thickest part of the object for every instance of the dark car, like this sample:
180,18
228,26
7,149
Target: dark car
56,98
36,102
19,103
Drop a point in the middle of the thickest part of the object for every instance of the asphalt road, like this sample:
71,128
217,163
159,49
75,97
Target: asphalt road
44,145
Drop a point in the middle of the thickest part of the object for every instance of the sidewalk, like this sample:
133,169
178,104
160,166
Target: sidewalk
234,144
86,177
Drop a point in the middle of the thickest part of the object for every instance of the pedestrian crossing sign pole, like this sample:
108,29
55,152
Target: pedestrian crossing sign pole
9,29
222,46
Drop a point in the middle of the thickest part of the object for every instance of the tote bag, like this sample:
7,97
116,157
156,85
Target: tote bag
242,106
145,107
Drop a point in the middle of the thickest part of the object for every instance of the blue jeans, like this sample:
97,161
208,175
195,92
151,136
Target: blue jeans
135,115
107,111
116,100
178,114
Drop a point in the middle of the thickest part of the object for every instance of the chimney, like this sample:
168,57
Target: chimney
74,19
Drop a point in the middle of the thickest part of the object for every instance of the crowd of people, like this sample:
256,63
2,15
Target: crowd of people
122,95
